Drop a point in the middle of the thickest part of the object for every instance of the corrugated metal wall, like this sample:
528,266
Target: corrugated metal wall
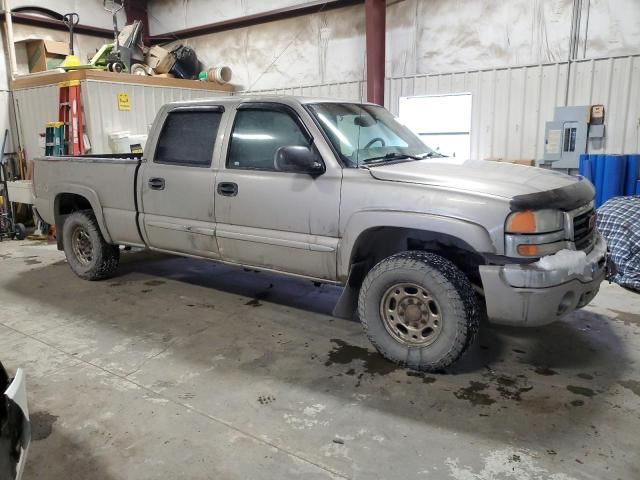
100,99
33,108
511,105
355,91
39,105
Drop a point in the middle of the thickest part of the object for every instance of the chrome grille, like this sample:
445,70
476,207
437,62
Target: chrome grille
584,230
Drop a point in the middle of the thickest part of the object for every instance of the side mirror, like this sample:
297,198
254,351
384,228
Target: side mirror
298,159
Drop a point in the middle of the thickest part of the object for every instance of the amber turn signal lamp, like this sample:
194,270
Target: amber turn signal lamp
528,250
522,222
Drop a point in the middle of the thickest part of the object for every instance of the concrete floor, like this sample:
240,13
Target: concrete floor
180,368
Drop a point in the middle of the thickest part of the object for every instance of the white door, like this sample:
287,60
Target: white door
443,122
273,219
178,183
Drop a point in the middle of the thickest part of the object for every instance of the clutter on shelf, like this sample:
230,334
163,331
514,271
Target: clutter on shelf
125,54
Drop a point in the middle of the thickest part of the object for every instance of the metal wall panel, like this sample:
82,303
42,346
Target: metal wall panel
511,105
104,118
354,91
34,107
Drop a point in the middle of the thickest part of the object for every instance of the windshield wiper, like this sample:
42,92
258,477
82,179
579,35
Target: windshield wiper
391,156
401,156
431,155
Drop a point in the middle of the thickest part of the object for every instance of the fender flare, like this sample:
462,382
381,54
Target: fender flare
471,234
92,198
474,235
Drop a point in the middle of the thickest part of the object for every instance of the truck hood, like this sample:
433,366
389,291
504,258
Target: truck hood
486,177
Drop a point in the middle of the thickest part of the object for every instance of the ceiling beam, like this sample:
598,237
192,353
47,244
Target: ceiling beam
137,10
255,19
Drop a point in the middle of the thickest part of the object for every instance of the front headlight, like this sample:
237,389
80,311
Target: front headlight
535,221
535,233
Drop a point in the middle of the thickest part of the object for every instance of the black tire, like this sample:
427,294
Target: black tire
455,303
90,257
20,231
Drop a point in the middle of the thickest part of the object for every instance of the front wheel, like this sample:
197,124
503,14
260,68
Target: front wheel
88,254
419,310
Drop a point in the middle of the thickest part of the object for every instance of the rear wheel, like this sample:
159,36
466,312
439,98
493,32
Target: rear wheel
20,231
88,254
419,310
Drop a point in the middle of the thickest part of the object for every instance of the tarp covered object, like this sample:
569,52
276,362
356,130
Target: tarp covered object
619,223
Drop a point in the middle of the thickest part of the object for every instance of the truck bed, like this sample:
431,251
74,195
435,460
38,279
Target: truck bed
108,181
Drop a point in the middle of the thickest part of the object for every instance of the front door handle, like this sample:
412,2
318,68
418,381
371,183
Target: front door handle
156,183
228,189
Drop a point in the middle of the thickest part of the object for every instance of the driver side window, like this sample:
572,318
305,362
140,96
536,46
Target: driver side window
258,134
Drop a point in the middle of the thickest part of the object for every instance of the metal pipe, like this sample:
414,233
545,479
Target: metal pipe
574,33
375,12
586,30
11,47
37,21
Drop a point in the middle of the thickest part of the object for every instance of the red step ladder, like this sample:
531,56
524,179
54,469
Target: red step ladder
70,113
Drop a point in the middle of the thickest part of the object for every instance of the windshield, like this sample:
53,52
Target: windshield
368,134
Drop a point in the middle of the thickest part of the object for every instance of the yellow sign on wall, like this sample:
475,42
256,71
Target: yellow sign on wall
123,102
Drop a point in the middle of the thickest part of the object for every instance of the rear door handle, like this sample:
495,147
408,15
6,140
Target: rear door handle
156,183
228,189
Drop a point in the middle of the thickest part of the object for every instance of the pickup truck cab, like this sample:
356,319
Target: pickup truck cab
341,193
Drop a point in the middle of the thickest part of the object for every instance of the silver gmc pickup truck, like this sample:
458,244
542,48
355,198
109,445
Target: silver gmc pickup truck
340,193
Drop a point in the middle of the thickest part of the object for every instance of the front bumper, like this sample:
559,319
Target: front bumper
15,427
526,295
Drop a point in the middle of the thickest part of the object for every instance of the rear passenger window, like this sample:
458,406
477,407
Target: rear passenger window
257,134
187,138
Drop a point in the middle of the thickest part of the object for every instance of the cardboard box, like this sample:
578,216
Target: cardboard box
45,55
527,162
160,59
521,161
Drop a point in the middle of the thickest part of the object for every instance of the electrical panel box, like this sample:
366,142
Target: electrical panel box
568,135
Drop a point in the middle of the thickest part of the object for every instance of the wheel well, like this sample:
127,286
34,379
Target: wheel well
65,204
378,243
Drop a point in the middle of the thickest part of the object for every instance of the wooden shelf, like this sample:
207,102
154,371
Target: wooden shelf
38,80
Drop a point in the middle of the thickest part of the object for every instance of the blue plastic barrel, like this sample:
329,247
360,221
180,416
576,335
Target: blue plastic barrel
614,177
586,166
638,187
631,177
582,162
598,176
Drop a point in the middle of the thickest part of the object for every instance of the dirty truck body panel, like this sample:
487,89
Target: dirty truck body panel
209,185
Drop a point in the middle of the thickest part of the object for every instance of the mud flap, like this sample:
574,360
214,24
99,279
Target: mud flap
347,306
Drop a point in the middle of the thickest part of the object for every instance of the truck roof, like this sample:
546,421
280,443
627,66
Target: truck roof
286,99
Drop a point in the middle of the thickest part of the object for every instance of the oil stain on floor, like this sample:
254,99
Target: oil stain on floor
41,425
475,393
344,353
585,392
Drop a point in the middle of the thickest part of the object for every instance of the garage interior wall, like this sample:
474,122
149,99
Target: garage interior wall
512,56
